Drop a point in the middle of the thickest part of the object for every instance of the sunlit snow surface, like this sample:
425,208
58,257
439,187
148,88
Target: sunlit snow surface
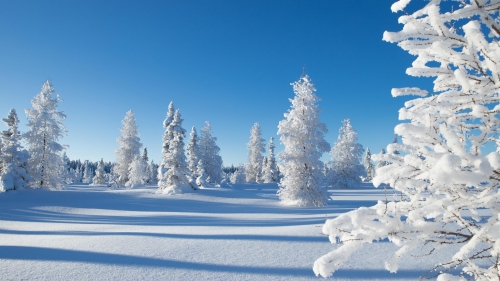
239,233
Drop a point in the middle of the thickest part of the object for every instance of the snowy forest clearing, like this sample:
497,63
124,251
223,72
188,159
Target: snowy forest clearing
243,233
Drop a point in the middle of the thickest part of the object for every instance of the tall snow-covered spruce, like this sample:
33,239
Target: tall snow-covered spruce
255,149
302,134
271,173
209,154
346,155
46,128
175,176
192,152
129,146
367,163
13,158
451,196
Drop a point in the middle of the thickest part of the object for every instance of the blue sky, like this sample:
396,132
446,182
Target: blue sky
228,62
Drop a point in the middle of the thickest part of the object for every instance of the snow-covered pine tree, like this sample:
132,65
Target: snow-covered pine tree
145,155
13,158
176,177
192,152
270,173
367,163
100,174
67,172
448,183
381,163
129,146
46,128
137,172
255,149
209,154
302,134
87,172
346,158
239,175
263,170
201,174
153,171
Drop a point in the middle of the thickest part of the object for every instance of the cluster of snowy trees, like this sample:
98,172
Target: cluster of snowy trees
181,169
448,178
41,165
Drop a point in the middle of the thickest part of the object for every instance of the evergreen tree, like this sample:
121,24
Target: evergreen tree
271,173
46,128
87,172
346,158
129,146
100,174
193,152
302,134
68,174
202,175
137,172
367,163
263,171
239,175
209,154
145,155
176,176
13,158
255,149
447,182
153,171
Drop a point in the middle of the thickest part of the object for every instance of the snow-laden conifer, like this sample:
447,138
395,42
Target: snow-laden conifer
100,174
209,154
302,134
129,146
87,172
367,163
192,152
239,175
263,170
137,172
381,163
346,155
255,149
153,171
45,129
175,176
451,199
270,173
13,158
201,174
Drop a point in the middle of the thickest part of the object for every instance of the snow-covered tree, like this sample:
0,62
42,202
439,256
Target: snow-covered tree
13,158
175,178
239,175
346,155
153,171
129,146
450,187
87,172
263,170
255,147
137,172
100,174
271,172
193,152
67,173
46,128
201,174
367,163
209,154
145,155
381,163
302,134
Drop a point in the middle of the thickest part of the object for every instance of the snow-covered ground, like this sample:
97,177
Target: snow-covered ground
243,233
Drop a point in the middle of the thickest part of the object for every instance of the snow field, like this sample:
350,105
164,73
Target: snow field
244,233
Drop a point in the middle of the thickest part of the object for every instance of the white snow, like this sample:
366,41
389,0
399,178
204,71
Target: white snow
240,233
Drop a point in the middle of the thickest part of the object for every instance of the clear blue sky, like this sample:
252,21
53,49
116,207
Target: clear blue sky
229,62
